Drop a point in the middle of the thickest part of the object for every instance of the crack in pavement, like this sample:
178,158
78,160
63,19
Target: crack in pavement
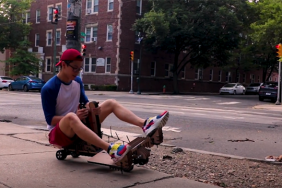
138,183
4,184
13,136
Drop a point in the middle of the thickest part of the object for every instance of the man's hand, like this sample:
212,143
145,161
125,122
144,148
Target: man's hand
82,113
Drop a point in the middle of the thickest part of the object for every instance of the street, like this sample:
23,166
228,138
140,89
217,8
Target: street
224,124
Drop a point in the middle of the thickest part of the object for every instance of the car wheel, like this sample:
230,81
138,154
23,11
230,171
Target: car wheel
244,92
25,88
10,88
260,98
234,92
0,88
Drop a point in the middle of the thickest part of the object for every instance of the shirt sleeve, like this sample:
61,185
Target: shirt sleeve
48,99
83,97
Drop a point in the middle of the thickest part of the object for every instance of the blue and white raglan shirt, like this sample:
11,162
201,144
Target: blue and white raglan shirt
59,98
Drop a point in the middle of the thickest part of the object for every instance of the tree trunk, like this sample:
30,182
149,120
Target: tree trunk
175,76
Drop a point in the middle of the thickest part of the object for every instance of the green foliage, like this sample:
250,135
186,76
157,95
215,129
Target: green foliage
206,30
12,28
23,62
266,34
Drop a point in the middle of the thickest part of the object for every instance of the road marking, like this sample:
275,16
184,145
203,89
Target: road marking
172,129
194,99
229,103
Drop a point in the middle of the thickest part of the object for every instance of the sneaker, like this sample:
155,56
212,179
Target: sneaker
118,151
152,123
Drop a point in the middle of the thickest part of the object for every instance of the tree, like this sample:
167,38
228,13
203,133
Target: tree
206,30
266,34
23,62
12,28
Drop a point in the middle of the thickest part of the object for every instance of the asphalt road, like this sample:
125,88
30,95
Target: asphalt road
216,123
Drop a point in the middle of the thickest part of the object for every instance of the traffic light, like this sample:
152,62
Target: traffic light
279,50
55,15
131,55
83,49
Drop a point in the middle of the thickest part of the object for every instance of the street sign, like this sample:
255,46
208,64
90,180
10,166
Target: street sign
83,34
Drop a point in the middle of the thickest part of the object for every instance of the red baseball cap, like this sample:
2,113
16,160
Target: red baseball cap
70,55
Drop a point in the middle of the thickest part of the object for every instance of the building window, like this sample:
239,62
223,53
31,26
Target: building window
199,74
153,68
57,67
238,77
244,78
37,16
92,6
219,75
26,17
252,76
37,39
228,76
270,79
48,64
182,73
49,38
50,13
168,68
109,32
89,64
110,5
139,7
86,64
108,65
58,37
91,34
211,74
93,64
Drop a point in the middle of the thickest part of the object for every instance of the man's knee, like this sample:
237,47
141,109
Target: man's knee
71,117
111,102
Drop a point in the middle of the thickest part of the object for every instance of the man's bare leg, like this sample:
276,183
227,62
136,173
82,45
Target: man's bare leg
112,106
71,125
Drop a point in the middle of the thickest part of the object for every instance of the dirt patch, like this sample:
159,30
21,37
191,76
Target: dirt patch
215,170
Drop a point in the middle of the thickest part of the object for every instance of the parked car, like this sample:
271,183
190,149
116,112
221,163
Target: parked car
253,88
27,83
268,90
5,81
232,88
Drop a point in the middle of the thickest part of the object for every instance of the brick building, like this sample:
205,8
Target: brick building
109,40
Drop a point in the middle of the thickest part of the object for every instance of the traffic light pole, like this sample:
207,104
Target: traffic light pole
279,85
131,88
54,49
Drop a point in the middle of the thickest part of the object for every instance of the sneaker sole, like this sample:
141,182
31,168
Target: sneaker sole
161,125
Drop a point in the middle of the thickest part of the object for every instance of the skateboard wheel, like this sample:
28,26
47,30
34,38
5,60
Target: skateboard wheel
61,154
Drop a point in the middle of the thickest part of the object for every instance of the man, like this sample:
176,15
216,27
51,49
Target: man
61,96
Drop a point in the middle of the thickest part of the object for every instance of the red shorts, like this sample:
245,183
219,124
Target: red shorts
58,138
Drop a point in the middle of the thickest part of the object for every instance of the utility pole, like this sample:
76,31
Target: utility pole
73,24
140,38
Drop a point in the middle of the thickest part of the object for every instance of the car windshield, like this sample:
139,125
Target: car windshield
254,84
229,85
6,78
35,78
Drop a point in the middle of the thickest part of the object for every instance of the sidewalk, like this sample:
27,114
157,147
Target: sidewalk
27,160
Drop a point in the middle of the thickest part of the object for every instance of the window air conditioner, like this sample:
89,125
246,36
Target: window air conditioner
94,39
88,11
